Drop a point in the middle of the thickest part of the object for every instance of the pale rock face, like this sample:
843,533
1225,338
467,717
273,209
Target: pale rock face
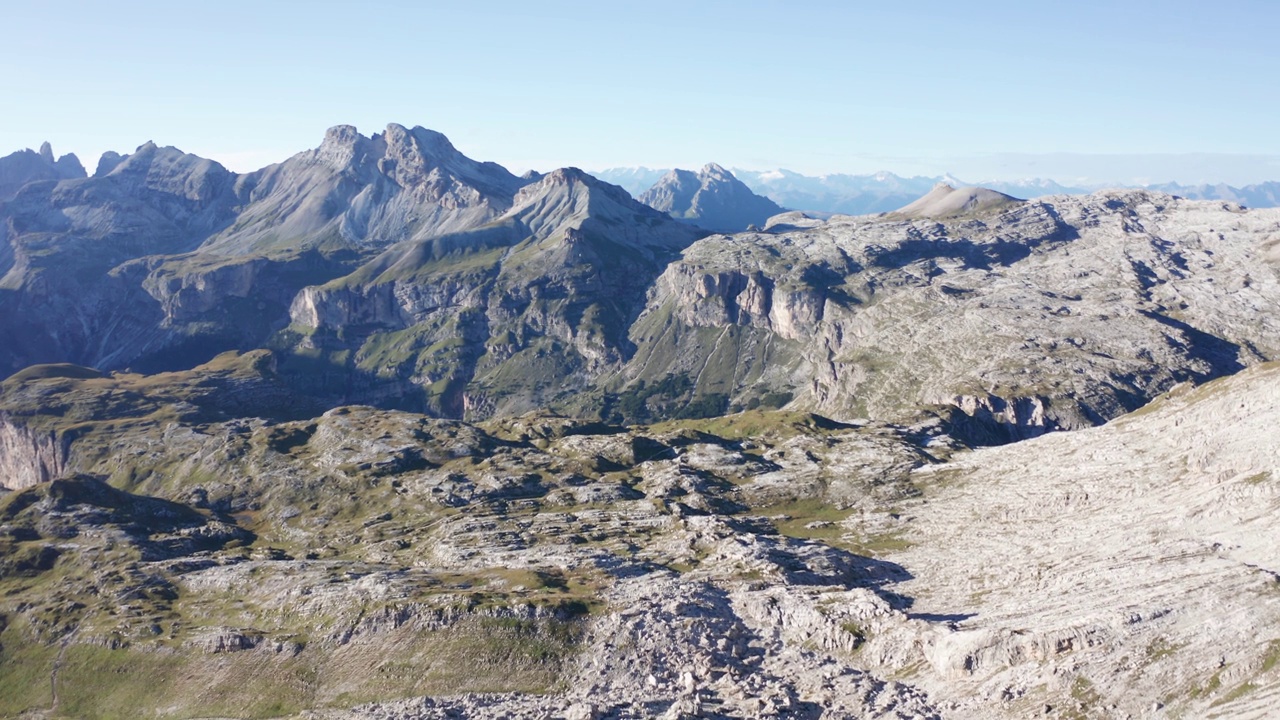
28,456
366,192
1051,314
1133,555
711,198
569,263
732,298
944,201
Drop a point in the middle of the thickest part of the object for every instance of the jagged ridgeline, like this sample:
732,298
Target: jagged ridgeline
392,270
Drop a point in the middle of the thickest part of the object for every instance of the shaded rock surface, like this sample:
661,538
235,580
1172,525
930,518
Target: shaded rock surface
518,314
393,270
28,166
711,198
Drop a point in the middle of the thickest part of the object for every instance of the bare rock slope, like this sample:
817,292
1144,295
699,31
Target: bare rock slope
944,200
27,166
373,564
711,198
1026,317
1131,568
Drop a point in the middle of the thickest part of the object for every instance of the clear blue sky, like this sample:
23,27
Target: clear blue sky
983,89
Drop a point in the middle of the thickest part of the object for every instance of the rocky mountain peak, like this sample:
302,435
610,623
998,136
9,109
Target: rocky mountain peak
573,181
69,167
342,147
422,140
26,166
714,171
108,162
566,197
357,192
711,198
565,176
414,158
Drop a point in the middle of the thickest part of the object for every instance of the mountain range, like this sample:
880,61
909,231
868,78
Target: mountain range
385,431
885,191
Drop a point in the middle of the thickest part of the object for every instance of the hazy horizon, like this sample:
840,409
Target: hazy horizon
1091,92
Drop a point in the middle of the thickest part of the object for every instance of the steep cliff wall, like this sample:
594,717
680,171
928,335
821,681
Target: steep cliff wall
29,456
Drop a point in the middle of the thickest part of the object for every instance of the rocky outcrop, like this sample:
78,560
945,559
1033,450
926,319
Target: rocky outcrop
1050,314
29,456
562,273
1051,596
990,420
365,192
712,198
27,166
188,295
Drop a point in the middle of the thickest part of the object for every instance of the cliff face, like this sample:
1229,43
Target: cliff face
716,299
64,294
29,456
519,314
394,270
1024,318
1012,320
28,166
365,192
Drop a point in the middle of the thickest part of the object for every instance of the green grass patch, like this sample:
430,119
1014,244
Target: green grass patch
1161,648
25,669
1236,693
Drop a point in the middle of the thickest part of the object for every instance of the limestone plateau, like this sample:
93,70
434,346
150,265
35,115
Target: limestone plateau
382,431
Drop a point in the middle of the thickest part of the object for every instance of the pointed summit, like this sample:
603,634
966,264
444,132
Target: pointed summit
358,192
27,166
569,198
712,198
108,162
715,171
